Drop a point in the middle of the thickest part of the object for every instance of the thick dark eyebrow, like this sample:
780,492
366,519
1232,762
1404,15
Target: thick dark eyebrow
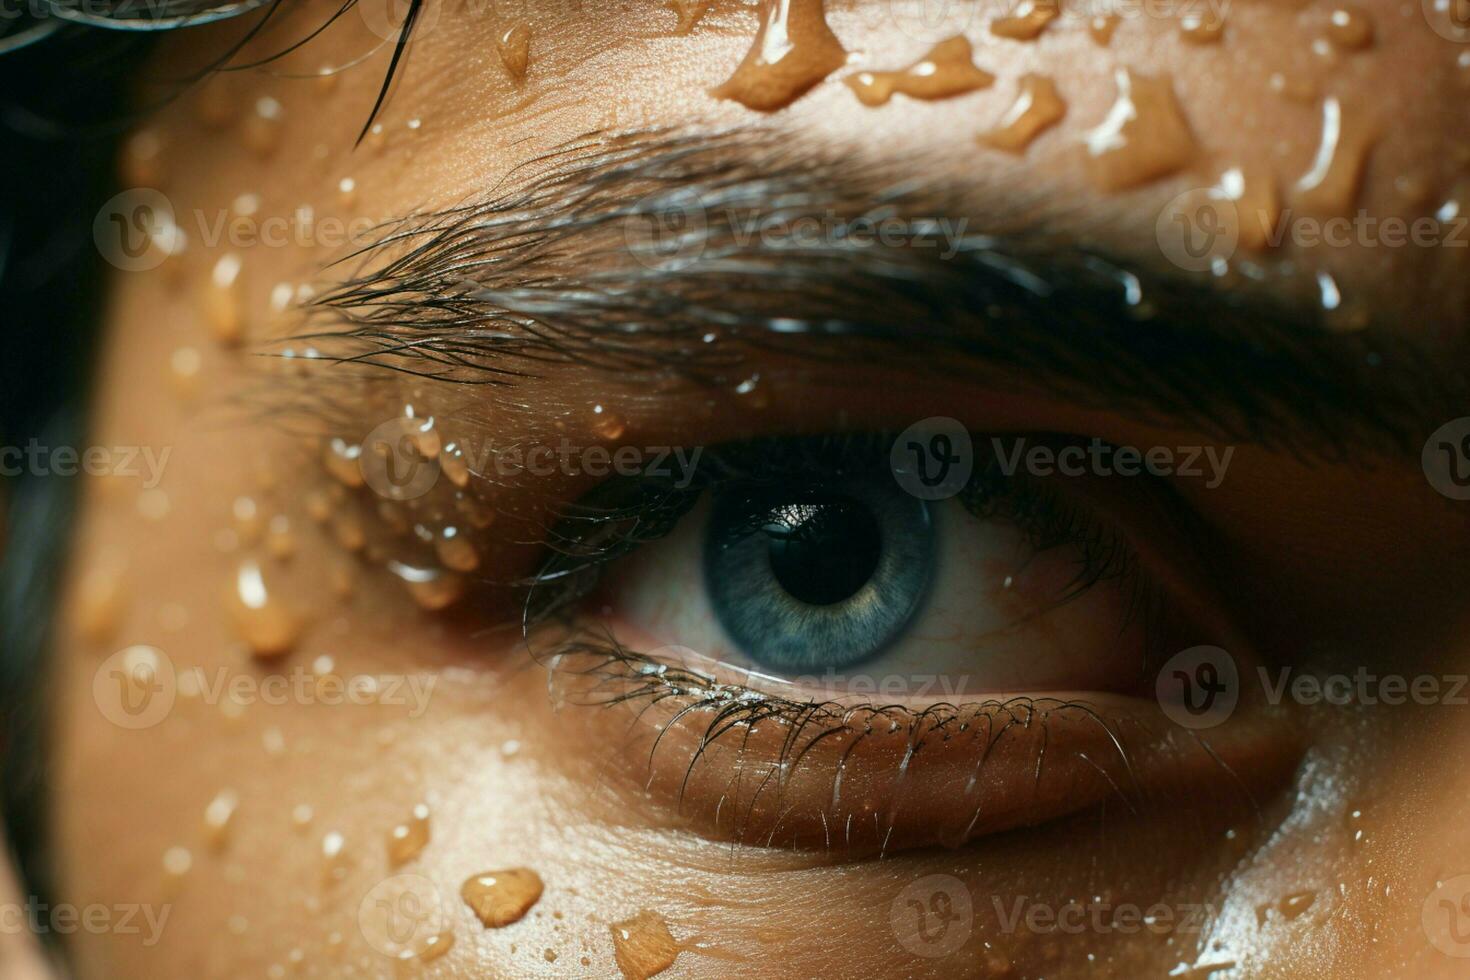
563,271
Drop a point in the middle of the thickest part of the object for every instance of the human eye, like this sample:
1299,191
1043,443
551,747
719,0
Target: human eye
806,650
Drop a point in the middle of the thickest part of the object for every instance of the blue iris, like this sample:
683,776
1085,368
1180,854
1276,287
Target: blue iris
808,579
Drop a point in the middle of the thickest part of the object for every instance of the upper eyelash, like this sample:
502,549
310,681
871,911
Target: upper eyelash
624,513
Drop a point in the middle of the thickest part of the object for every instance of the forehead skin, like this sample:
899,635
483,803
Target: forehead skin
125,798
1252,100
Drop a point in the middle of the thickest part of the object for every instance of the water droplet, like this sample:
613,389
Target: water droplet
1456,205
301,815
183,371
1257,204
142,161
794,49
341,460
261,131
499,898
1296,903
1350,28
1101,28
1037,107
273,741
455,551
346,192
1328,294
453,464
268,627
246,205
342,577
1028,21
407,839
643,945
1293,87
348,529
177,861
247,519
153,505
279,540
425,436
689,13
947,70
1144,136
217,817
101,600
431,588
213,106
1331,185
435,946
1202,26
334,857
222,302
607,425
514,48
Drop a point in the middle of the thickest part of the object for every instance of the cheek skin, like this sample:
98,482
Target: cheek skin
510,783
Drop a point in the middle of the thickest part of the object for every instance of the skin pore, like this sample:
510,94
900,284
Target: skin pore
1297,840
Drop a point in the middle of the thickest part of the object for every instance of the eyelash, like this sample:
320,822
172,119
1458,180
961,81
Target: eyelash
626,513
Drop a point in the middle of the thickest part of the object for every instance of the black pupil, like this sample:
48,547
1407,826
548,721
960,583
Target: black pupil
823,549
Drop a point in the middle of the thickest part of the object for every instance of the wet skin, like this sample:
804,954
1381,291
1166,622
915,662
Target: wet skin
1326,564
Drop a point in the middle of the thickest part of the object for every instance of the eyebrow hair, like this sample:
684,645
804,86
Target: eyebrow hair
557,272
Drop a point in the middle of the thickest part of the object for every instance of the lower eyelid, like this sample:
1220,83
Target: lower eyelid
767,772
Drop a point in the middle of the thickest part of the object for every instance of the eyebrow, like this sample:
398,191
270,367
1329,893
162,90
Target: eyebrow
641,252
